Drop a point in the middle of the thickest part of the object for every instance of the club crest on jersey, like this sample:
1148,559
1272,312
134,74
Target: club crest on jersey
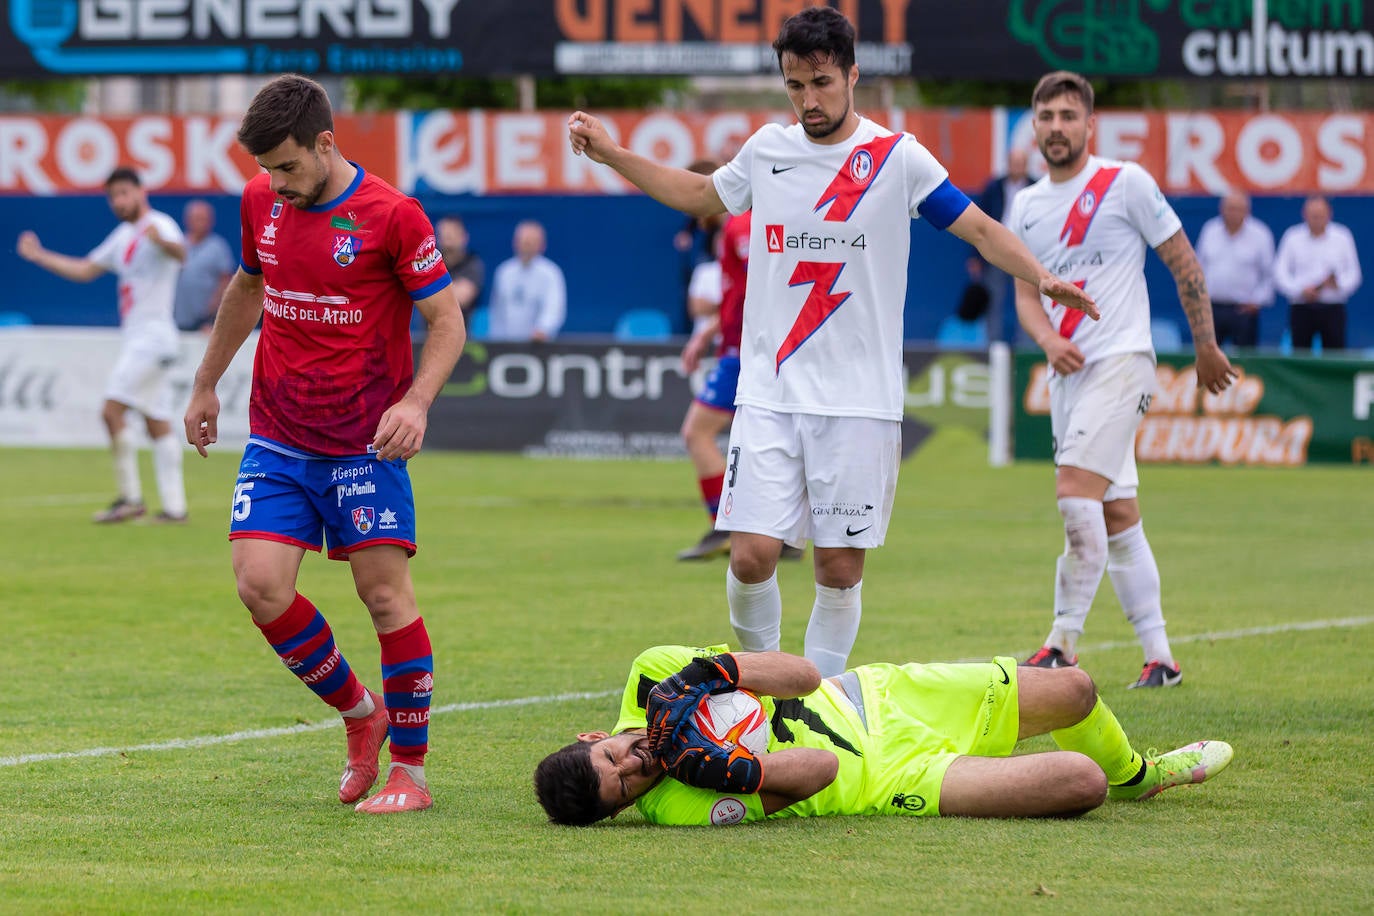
1087,202
861,166
364,517
276,208
346,248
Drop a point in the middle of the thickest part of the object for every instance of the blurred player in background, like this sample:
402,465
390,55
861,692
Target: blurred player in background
333,260
914,739
816,440
1091,220
144,252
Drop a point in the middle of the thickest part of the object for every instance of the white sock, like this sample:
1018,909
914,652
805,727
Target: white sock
833,627
125,452
1079,570
1135,576
171,488
755,612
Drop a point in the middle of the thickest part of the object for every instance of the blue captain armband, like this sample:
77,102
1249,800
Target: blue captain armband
944,205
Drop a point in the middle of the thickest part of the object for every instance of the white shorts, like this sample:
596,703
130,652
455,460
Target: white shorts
1094,414
142,377
795,476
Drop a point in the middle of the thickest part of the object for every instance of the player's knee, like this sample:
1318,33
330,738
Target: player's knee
1080,693
1086,785
264,597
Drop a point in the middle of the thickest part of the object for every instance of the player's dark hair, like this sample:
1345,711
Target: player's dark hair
568,787
123,173
289,106
818,34
1061,82
704,166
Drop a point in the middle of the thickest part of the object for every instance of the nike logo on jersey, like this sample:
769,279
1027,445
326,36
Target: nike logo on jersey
1026,226
779,171
851,532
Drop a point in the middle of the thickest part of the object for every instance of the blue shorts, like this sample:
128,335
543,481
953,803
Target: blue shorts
300,499
719,390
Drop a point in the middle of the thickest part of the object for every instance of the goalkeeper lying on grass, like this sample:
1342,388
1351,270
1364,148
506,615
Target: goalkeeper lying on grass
879,739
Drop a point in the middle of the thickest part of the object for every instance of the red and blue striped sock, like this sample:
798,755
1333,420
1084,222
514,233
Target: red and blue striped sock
408,682
303,640
711,488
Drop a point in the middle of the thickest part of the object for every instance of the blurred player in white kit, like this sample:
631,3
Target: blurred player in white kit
145,252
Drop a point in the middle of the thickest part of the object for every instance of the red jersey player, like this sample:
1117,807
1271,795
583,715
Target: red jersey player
333,261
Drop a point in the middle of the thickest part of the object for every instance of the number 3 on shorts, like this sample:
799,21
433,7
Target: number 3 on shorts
243,503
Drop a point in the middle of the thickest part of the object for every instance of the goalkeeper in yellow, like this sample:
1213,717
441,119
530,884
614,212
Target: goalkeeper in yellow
914,739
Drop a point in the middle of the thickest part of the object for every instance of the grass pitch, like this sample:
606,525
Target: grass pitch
157,758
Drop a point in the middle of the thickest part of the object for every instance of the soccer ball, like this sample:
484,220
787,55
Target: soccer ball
735,717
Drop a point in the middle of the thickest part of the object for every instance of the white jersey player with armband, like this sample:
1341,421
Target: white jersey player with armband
1090,220
145,252
815,445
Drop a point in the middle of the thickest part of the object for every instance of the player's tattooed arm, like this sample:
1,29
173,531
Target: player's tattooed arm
1214,370
1177,254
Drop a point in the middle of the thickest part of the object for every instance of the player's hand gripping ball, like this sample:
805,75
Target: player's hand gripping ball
673,699
707,762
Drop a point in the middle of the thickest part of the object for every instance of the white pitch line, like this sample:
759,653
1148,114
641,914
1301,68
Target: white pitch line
176,744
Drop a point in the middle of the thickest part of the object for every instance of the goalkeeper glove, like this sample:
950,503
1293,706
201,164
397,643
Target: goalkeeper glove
698,761
673,699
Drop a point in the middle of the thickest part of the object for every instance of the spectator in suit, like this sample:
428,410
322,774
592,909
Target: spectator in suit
528,294
1318,269
1236,252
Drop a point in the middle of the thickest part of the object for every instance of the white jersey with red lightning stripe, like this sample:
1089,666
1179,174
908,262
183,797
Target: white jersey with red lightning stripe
147,274
1092,230
829,241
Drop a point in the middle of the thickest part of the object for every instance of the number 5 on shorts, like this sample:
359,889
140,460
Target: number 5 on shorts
243,503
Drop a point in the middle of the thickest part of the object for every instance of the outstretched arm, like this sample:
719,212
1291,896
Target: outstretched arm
677,188
81,270
1214,370
1003,249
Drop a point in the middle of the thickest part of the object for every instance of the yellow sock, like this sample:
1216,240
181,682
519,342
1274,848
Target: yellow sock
1102,738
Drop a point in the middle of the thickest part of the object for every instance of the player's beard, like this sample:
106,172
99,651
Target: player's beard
825,128
304,200
1066,153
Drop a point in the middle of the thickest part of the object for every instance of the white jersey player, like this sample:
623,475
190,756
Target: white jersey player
145,252
1090,220
815,444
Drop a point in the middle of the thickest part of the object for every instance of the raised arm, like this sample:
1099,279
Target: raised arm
1214,370
677,188
80,270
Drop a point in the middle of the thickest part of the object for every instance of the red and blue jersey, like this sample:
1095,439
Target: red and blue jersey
734,272
339,282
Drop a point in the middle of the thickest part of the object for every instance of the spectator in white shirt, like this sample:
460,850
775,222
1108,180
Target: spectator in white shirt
528,294
1236,252
1318,269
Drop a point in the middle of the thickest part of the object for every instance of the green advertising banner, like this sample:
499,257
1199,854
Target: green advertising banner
1282,412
